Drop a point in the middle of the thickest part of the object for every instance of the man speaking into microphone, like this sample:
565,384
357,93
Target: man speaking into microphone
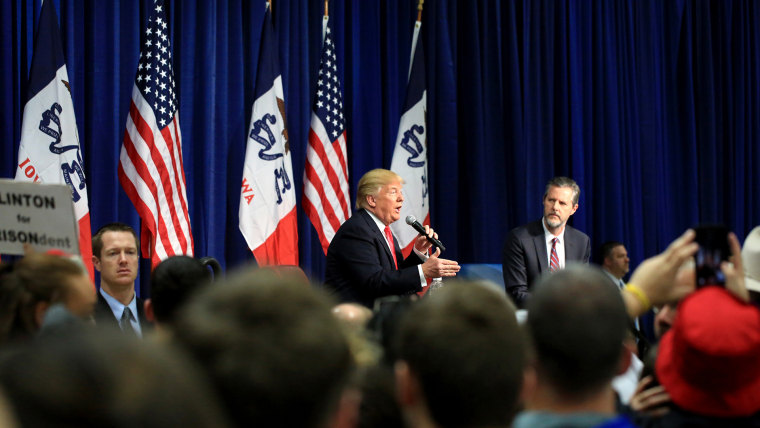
365,262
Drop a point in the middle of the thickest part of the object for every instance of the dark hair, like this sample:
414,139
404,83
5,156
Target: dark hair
275,353
97,239
467,350
564,182
577,322
379,407
103,379
33,279
172,282
605,250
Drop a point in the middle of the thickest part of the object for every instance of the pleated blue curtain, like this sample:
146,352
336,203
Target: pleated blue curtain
651,106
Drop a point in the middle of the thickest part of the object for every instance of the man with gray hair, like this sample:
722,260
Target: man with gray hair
545,245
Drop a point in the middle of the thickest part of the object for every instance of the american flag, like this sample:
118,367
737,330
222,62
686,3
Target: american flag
150,164
325,189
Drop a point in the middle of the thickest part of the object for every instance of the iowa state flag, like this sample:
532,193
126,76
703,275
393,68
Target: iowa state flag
267,199
410,152
49,150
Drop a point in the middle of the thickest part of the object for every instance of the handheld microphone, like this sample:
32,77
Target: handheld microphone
411,221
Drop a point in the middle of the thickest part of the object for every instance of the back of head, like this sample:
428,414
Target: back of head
100,379
466,348
172,282
36,278
577,322
272,348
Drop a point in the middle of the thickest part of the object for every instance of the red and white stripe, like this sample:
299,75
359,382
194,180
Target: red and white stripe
325,195
152,174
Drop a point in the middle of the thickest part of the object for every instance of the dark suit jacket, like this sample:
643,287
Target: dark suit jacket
105,317
360,265
524,257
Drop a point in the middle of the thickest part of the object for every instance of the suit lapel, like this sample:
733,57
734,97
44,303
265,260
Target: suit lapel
540,244
397,249
379,236
103,312
570,248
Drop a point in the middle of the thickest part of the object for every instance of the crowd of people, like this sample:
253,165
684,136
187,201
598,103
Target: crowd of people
267,347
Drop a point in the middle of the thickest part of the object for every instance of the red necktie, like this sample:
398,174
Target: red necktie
389,237
554,266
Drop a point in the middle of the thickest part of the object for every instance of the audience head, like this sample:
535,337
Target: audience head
99,379
379,407
708,361
352,315
577,322
664,317
34,283
171,283
460,357
272,348
115,255
613,257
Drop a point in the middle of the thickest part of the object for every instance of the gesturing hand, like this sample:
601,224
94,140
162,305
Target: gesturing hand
436,268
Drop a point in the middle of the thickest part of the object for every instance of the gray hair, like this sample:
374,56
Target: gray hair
564,182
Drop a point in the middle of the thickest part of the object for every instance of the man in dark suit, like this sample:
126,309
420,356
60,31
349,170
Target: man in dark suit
545,245
114,255
360,264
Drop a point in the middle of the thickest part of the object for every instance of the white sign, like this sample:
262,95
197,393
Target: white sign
41,215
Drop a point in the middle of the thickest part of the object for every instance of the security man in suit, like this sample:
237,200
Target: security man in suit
114,255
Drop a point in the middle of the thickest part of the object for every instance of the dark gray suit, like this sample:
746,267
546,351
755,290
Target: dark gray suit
360,264
105,317
525,258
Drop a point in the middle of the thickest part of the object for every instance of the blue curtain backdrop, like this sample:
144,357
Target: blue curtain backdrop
652,106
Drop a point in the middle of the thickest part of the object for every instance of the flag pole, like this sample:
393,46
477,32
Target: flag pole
269,4
419,10
326,8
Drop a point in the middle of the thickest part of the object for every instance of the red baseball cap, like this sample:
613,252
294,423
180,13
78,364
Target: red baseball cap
709,361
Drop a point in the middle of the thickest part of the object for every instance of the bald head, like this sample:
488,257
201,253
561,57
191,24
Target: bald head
353,315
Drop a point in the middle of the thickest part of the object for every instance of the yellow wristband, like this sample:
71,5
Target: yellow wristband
640,295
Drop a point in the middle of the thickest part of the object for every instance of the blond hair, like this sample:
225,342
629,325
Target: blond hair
372,182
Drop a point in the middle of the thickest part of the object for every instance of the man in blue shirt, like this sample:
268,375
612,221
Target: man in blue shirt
114,255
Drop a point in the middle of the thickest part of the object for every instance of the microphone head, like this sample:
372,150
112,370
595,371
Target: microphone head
410,220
